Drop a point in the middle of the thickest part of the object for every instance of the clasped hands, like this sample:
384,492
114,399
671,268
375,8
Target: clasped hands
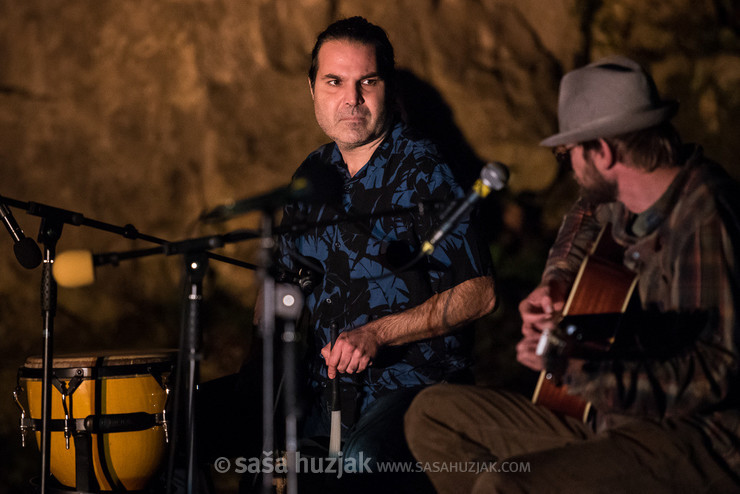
353,351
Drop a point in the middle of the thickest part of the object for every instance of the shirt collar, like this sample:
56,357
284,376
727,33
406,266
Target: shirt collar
647,221
377,160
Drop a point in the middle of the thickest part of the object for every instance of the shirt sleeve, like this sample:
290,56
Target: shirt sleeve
460,255
578,232
698,374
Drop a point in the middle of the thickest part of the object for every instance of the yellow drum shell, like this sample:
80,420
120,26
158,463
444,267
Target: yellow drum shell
114,384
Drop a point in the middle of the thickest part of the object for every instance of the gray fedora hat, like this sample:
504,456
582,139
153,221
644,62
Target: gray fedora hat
609,97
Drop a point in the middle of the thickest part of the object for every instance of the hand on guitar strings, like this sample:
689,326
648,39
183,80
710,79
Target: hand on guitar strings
540,311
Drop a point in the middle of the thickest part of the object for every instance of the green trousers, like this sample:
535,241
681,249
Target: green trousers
473,439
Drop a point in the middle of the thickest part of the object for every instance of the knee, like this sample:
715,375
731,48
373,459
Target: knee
423,410
431,417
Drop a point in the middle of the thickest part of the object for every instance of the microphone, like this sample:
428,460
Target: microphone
76,268
493,176
307,277
26,250
297,190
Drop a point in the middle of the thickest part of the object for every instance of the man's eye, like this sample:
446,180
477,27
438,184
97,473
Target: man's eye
333,82
369,82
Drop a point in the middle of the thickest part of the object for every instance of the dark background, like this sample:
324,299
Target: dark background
151,111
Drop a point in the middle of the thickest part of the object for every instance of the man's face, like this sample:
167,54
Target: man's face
349,95
594,187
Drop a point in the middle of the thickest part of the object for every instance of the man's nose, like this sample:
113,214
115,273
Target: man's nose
353,95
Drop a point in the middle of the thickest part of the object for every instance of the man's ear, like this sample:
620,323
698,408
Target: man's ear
604,156
310,87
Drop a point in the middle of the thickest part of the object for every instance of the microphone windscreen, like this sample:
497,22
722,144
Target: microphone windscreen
495,175
74,268
27,252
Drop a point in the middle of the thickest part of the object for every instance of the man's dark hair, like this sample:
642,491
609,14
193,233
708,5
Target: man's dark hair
359,30
648,149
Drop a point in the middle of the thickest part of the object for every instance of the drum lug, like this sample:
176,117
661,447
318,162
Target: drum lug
65,391
165,425
163,382
24,424
67,432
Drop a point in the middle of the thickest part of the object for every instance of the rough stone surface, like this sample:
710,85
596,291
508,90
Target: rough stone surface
150,111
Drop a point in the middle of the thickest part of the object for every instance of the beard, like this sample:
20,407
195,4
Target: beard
595,189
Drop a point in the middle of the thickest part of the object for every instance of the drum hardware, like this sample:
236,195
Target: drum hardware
53,220
119,441
164,422
197,253
98,424
65,391
164,384
24,423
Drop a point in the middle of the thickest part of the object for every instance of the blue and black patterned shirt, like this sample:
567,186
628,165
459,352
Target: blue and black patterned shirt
359,249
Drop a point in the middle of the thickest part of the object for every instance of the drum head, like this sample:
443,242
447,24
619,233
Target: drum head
102,364
104,359
126,389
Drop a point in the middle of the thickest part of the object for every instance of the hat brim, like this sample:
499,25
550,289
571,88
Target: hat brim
614,125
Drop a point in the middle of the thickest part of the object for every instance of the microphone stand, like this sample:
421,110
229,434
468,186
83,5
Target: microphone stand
267,328
279,300
196,264
284,301
50,231
288,306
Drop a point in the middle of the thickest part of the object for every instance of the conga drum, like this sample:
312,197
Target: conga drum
108,416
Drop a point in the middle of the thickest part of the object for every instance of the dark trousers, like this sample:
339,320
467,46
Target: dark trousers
230,426
377,434
376,441
479,440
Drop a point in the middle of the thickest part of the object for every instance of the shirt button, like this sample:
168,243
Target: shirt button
635,255
333,325
336,245
328,300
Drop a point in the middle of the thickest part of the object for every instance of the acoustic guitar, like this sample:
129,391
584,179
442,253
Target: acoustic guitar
603,285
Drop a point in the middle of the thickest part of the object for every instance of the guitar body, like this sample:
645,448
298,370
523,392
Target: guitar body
556,398
603,285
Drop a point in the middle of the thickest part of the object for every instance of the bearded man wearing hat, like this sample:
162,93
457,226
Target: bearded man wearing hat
661,371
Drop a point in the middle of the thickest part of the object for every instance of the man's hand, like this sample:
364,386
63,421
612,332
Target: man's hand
526,350
438,315
539,311
353,351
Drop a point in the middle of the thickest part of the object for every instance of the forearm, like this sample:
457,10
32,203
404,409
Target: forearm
576,235
696,380
683,354
439,315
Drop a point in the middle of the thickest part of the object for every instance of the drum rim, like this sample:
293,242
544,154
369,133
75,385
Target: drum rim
107,357
106,364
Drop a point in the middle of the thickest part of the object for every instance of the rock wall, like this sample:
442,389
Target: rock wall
151,111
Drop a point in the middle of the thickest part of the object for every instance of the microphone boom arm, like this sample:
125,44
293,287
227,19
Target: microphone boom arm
127,231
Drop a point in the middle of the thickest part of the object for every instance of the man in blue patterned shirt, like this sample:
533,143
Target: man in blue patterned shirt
400,327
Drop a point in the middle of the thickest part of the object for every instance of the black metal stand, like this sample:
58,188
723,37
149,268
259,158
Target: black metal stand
196,261
196,265
284,301
49,234
267,328
196,255
289,303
